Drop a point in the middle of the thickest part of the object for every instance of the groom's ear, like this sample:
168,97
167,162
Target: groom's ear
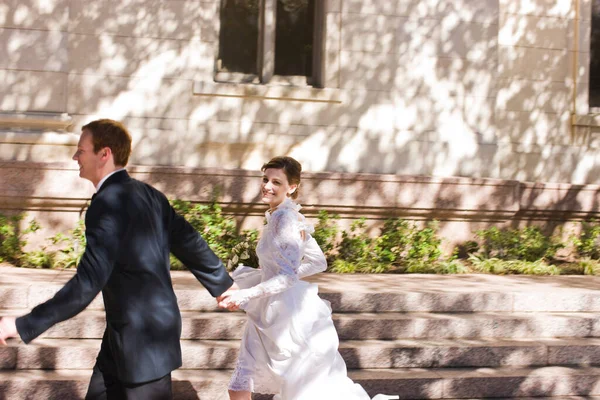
105,153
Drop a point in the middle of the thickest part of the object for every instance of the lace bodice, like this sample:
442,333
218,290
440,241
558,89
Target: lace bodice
286,252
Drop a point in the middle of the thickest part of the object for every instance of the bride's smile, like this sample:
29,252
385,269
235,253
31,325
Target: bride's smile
275,187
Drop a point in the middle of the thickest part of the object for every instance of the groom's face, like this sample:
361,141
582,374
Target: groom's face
89,162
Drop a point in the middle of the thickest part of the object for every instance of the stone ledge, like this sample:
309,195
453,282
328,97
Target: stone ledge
57,187
36,121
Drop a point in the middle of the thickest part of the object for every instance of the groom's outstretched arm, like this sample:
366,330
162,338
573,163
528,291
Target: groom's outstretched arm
193,251
105,226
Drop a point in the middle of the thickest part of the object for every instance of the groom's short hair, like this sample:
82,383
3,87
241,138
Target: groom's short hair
111,134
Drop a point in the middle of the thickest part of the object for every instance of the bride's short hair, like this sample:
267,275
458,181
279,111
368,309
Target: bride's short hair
291,168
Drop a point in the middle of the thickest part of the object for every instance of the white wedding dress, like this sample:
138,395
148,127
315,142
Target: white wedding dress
290,345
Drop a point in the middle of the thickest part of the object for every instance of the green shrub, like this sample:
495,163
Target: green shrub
506,267
400,244
219,231
37,259
245,251
326,231
587,244
451,266
424,245
527,244
356,243
393,241
71,246
13,243
340,266
589,266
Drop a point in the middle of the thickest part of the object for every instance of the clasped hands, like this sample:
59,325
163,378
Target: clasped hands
225,301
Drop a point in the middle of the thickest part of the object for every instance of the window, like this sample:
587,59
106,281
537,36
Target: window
271,41
594,88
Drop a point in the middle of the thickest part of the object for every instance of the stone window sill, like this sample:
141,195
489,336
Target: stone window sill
267,92
590,120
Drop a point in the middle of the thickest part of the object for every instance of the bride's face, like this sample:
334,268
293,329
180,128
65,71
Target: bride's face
275,187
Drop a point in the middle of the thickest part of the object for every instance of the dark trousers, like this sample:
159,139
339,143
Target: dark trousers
107,387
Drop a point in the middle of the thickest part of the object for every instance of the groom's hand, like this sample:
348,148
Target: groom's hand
8,329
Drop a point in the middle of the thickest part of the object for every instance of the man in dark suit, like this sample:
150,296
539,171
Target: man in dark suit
130,230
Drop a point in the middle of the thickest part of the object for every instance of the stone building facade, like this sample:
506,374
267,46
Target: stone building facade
467,111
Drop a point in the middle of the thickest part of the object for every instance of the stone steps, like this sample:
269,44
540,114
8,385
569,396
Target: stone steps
361,326
197,299
417,337
25,288
406,383
60,354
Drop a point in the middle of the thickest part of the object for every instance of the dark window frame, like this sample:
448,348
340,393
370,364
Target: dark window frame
266,51
594,77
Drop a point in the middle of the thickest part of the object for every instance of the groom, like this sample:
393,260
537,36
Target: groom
130,230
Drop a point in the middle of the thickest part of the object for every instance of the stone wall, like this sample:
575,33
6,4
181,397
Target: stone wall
55,195
440,97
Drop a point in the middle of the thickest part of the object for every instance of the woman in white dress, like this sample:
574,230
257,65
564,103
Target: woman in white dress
290,345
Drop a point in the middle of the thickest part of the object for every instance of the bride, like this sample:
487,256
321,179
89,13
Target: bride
290,345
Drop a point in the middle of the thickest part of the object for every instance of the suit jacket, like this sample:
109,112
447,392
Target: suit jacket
130,229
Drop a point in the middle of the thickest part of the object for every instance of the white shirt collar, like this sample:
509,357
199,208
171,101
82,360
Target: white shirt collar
108,176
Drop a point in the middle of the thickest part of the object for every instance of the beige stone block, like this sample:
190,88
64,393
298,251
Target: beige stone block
583,70
548,164
333,6
409,76
35,152
418,37
333,32
548,8
461,77
332,69
526,95
392,7
449,12
375,72
584,35
331,52
174,19
33,91
479,115
129,56
35,14
585,9
533,128
33,50
582,98
533,63
214,143
369,33
287,113
118,97
468,40
533,31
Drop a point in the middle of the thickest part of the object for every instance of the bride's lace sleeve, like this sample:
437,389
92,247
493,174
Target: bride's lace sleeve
313,261
285,248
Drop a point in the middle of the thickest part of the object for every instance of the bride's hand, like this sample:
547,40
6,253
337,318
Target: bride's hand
228,304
